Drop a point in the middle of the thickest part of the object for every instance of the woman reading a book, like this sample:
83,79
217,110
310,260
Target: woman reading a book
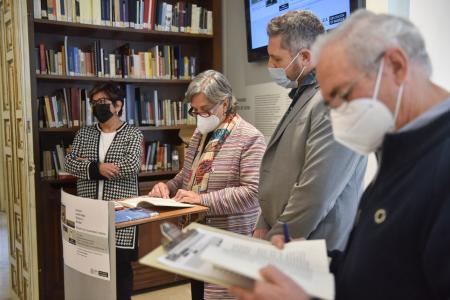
221,167
106,159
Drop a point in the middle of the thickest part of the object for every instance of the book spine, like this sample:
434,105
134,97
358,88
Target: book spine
37,9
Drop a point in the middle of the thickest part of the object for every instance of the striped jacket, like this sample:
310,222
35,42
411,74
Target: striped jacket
232,194
125,152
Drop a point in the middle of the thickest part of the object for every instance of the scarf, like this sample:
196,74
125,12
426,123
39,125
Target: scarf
203,161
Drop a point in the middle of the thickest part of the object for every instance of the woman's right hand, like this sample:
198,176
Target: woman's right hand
160,190
260,233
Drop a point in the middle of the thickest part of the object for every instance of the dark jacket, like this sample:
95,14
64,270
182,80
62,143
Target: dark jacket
125,152
400,245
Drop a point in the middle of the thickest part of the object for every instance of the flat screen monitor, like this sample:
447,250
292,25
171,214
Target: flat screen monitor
260,12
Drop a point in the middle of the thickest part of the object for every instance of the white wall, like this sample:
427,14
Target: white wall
238,70
430,16
432,19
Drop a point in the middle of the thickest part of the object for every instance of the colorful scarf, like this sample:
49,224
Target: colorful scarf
203,161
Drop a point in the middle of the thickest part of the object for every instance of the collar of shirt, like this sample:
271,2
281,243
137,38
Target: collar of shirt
428,116
295,94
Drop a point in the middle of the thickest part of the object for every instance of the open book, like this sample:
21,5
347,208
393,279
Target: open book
146,201
220,257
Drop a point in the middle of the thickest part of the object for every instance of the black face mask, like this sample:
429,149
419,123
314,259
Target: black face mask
102,112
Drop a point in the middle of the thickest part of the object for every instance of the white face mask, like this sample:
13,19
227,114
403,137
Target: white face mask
361,124
208,124
279,75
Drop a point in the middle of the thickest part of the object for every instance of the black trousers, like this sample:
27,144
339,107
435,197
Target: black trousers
197,288
124,272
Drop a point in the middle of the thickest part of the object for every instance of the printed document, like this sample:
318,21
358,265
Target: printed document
84,228
224,258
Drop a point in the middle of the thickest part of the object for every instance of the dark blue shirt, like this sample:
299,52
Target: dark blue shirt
399,247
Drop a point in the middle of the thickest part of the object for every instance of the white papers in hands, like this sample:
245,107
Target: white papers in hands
305,262
186,255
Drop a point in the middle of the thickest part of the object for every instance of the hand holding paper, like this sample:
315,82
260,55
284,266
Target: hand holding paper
275,286
228,259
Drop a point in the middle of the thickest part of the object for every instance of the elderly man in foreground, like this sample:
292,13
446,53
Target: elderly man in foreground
374,73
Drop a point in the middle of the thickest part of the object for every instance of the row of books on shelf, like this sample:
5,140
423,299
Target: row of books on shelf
159,62
182,16
145,108
53,162
157,157
70,107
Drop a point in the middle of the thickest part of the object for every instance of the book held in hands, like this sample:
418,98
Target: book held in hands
229,259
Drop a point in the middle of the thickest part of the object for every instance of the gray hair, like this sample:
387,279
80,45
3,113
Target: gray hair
367,35
298,29
215,86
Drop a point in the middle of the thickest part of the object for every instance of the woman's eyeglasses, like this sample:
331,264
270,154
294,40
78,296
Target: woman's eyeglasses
100,101
203,114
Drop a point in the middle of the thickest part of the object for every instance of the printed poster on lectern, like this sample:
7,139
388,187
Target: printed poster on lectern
84,228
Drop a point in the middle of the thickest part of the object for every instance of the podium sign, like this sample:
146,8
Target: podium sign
88,239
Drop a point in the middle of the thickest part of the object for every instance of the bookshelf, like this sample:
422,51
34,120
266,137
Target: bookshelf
206,48
74,130
81,79
111,32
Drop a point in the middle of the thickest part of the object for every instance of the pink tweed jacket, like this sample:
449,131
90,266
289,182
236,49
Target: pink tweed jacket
232,194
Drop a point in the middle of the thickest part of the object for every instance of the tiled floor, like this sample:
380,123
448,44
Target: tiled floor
4,265
180,292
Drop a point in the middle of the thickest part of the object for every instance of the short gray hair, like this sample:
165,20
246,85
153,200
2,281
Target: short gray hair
367,35
298,29
215,86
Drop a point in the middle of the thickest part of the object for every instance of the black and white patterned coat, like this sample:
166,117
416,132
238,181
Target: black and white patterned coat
125,152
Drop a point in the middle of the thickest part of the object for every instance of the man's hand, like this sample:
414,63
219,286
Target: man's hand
278,240
274,286
160,190
108,170
260,233
187,197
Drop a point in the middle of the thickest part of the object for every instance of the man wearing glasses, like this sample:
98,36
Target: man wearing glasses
399,247
309,183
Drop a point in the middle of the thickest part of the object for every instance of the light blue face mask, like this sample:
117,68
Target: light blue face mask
279,75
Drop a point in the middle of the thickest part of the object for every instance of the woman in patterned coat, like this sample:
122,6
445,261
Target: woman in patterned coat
106,159
221,167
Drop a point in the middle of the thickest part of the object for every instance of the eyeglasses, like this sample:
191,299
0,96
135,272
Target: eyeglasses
203,114
100,101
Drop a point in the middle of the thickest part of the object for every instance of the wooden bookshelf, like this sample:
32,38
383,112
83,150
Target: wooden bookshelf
147,174
111,32
208,51
90,79
142,128
150,174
